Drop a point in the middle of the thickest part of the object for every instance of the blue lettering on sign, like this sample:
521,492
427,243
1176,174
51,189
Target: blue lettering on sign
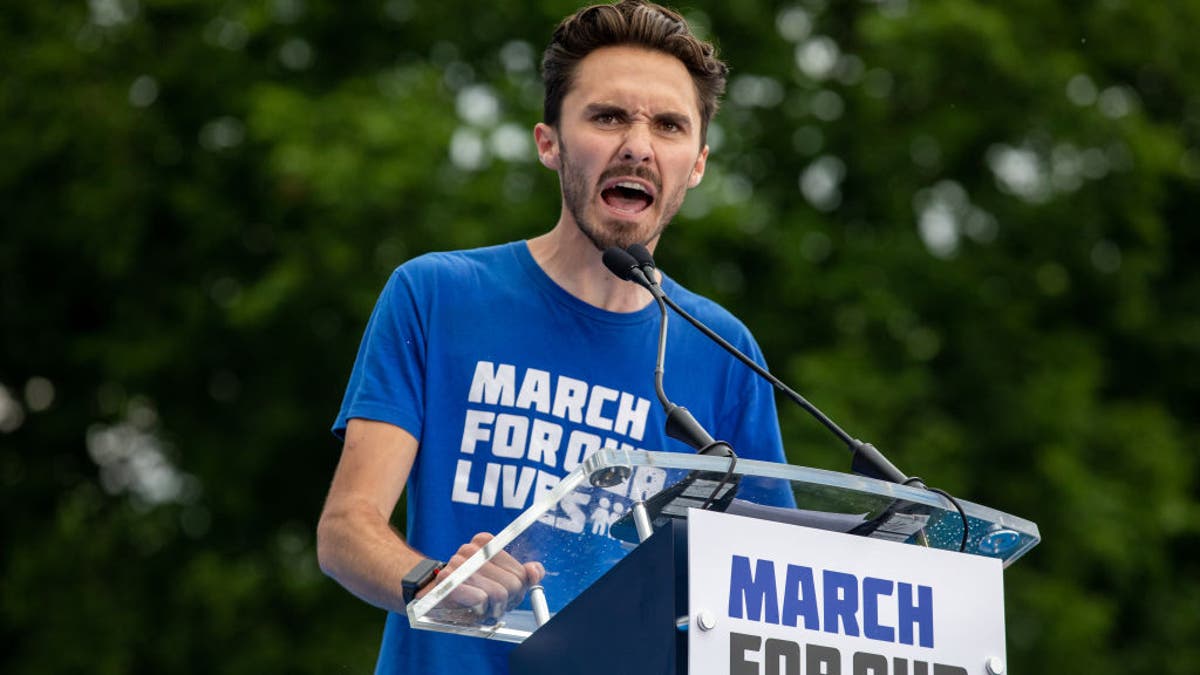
800,598
872,589
753,594
919,615
842,603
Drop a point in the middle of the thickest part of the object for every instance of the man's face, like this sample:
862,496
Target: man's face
627,145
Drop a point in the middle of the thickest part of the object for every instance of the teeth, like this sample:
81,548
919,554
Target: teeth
629,185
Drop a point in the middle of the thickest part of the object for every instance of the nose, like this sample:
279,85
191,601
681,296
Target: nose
637,147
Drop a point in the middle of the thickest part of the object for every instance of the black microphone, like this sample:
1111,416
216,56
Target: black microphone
681,425
644,260
624,266
866,459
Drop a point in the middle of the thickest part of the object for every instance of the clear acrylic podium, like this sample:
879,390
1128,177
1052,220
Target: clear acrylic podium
588,524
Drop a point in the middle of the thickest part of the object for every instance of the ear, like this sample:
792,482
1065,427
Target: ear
545,137
698,169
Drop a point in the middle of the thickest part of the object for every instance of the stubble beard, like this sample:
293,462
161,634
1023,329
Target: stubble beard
577,195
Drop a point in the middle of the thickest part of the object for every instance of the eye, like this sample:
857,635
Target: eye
671,126
606,118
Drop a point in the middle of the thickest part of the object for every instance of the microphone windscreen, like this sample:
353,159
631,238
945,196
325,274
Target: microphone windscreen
641,255
620,263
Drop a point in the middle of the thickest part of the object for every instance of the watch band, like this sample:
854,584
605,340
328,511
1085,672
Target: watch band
419,577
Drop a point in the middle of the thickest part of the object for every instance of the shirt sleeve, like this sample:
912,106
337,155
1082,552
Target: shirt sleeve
750,419
753,423
387,383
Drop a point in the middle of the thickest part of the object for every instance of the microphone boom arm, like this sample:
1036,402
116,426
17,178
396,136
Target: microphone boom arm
681,425
865,459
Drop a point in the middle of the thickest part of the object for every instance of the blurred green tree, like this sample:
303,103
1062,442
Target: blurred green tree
960,228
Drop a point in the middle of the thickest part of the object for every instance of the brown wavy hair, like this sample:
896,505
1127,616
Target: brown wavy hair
634,23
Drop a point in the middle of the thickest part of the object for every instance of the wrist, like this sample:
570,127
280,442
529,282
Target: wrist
423,574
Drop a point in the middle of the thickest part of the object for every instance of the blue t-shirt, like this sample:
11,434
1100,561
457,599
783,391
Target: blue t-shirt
508,381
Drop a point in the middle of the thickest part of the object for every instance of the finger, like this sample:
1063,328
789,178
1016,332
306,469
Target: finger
499,584
534,572
502,580
505,560
512,583
468,597
496,596
472,547
501,558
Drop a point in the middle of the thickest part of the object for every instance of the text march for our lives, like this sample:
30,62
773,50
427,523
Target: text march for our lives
526,428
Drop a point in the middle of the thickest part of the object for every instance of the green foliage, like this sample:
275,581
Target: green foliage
960,228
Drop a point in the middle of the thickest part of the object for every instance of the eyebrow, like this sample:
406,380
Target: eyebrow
679,119
604,108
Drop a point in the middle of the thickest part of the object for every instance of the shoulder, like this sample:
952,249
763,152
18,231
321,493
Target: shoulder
459,264
480,268
710,313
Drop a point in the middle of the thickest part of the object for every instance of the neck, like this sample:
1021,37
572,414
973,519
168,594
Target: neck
572,261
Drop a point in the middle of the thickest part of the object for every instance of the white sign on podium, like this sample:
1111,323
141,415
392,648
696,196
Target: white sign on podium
769,598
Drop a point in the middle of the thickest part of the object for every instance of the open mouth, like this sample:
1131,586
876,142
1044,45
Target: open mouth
627,196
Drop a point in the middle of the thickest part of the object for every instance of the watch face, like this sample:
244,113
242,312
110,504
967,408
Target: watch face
419,577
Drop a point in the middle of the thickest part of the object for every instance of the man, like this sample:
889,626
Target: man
484,376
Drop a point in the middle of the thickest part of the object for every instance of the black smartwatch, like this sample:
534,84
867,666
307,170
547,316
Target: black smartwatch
419,577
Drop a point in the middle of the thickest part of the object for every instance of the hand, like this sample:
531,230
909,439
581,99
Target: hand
494,589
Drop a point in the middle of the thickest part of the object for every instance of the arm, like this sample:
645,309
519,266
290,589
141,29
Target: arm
356,545
358,548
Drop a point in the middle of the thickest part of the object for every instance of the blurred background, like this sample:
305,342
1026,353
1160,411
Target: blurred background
965,229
